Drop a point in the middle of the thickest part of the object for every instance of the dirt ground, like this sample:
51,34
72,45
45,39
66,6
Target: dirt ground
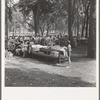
28,72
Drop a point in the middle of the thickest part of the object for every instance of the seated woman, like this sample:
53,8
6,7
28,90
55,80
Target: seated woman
18,50
64,50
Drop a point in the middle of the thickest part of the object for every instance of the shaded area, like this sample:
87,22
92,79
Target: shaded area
79,54
38,78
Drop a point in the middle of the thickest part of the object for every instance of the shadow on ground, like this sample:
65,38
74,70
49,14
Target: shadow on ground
37,78
79,54
81,59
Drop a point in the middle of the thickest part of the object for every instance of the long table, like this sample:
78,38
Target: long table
45,53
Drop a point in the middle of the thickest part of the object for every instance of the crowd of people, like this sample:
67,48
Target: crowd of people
22,46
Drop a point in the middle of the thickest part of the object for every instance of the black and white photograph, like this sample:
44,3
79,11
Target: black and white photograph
50,43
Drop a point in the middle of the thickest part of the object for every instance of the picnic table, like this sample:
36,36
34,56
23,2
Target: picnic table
45,53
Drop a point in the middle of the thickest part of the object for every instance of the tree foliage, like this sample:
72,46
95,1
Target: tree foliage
43,16
38,7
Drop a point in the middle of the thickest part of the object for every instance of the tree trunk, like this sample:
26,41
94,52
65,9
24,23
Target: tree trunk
35,24
48,28
87,20
92,31
70,23
87,26
42,30
83,27
78,29
47,31
6,25
36,17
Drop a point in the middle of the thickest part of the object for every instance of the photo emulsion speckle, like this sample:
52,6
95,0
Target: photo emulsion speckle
50,43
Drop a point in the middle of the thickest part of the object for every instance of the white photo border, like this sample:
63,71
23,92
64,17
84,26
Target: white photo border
41,93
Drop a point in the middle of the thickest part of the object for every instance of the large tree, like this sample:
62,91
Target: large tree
92,30
38,7
71,20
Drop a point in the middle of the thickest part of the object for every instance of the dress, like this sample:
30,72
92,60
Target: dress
69,50
64,49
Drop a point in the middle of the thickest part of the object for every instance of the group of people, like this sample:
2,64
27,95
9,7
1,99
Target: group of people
17,42
18,45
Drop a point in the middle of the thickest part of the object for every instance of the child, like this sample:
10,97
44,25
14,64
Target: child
8,54
69,53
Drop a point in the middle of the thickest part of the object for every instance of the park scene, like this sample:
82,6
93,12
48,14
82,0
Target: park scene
50,43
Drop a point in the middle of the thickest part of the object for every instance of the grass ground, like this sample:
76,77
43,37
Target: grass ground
27,72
